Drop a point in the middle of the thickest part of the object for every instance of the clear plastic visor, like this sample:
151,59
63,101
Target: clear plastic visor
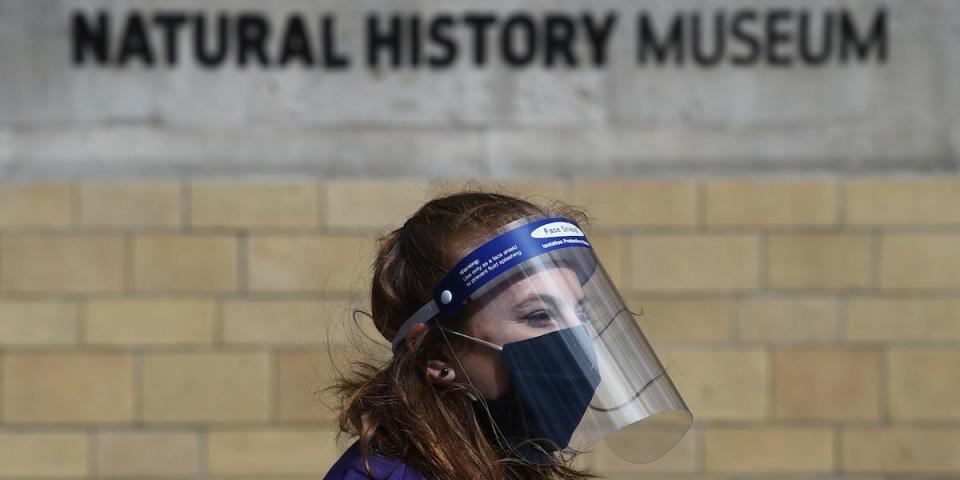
553,344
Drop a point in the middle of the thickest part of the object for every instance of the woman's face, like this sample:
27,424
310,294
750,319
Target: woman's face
544,302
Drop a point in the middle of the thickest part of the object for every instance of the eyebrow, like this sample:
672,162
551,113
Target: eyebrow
549,299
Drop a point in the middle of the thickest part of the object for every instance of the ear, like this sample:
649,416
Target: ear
440,372
414,334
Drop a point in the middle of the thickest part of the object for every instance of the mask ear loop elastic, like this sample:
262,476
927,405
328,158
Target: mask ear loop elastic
501,438
497,433
475,339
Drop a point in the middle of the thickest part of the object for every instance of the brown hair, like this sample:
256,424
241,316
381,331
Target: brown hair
392,407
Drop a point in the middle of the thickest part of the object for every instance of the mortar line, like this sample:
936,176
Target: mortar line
138,420
842,325
837,449
186,199
93,450
737,305
3,359
203,432
80,329
129,259
772,384
322,202
274,386
876,244
701,205
883,382
75,205
763,261
218,321
841,204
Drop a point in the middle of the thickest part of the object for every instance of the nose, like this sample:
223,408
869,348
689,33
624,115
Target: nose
571,316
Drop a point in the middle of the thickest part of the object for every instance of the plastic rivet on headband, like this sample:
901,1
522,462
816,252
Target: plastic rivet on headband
446,297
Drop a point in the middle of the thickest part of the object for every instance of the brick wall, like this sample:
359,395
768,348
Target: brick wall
178,328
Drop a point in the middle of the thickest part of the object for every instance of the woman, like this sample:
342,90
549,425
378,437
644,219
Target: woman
512,350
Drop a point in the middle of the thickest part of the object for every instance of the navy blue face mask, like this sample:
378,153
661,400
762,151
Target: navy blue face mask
553,378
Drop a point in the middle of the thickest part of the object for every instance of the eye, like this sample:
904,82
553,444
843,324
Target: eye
538,318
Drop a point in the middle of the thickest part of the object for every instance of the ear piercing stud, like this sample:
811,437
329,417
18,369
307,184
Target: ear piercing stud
444,372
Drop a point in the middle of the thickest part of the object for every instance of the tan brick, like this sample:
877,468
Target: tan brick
149,322
682,262
684,320
274,322
74,263
67,388
682,458
920,261
819,261
903,319
720,384
339,263
36,454
924,384
901,450
769,450
230,204
902,201
788,320
616,203
611,250
185,263
372,203
827,384
38,323
136,204
270,452
301,380
35,205
145,453
539,191
206,387
755,202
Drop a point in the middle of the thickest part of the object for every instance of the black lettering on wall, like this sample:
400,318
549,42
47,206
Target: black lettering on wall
648,40
560,35
440,37
518,40
170,23
749,39
599,36
252,33
479,24
210,57
415,40
90,39
378,40
134,42
294,43
698,54
808,52
777,37
333,58
875,41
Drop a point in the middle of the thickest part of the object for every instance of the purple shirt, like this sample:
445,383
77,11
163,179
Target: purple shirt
350,467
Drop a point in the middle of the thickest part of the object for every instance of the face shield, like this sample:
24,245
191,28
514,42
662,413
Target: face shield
578,368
